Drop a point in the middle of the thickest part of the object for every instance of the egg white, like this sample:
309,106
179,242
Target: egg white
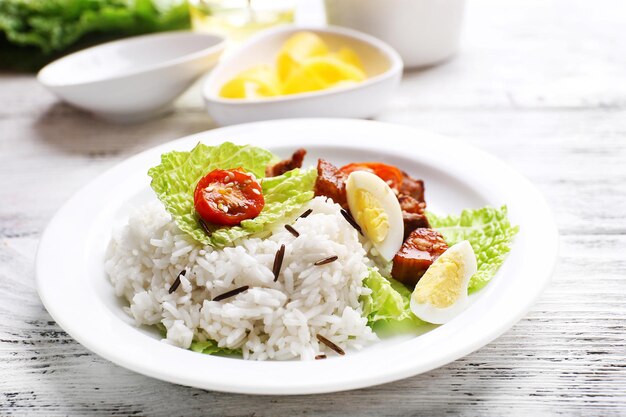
436,315
387,200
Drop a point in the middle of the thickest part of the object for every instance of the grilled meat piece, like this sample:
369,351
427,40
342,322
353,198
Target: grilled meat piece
414,221
331,183
412,214
286,165
409,204
419,251
412,187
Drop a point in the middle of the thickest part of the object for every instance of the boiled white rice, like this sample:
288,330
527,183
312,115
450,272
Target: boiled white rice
272,320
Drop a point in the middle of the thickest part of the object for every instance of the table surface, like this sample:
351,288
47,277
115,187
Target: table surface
538,83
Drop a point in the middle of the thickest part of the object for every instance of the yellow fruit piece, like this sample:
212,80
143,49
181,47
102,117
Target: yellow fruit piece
332,70
296,49
321,72
348,56
303,64
285,66
301,81
259,81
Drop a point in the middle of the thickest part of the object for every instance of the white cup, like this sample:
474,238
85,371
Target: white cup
424,32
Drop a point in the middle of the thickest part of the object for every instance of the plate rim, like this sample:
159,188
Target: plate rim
59,313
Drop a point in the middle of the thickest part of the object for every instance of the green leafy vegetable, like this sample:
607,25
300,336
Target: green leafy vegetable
162,329
33,32
174,181
210,347
388,306
488,230
283,195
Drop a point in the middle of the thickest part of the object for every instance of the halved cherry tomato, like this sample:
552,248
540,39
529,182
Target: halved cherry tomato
390,174
227,197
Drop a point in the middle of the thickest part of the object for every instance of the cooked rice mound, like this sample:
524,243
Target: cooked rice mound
271,320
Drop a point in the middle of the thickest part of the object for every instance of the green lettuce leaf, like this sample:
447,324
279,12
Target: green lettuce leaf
175,179
283,195
33,32
388,306
489,232
210,347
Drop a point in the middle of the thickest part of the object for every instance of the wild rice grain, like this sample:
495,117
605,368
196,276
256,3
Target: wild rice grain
351,220
322,356
176,282
306,213
278,262
204,226
326,260
330,344
231,293
292,230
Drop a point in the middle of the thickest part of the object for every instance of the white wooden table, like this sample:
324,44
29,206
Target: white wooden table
541,84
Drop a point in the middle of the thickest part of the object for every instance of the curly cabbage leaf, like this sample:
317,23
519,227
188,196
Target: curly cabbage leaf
33,32
489,232
283,195
387,308
210,347
175,179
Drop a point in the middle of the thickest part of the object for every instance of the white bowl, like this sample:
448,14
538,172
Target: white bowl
424,32
383,67
132,79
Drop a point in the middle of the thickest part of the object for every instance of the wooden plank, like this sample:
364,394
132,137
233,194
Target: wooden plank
567,353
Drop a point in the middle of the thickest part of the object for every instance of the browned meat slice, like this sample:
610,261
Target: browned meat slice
331,183
412,214
409,204
419,251
414,221
412,187
286,165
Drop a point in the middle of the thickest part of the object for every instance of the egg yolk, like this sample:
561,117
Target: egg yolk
441,284
371,216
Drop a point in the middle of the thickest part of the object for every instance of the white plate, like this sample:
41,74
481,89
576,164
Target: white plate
74,288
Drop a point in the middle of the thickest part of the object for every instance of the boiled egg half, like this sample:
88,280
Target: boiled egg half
377,211
441,293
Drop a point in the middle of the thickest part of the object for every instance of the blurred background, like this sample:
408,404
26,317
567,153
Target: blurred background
35,32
